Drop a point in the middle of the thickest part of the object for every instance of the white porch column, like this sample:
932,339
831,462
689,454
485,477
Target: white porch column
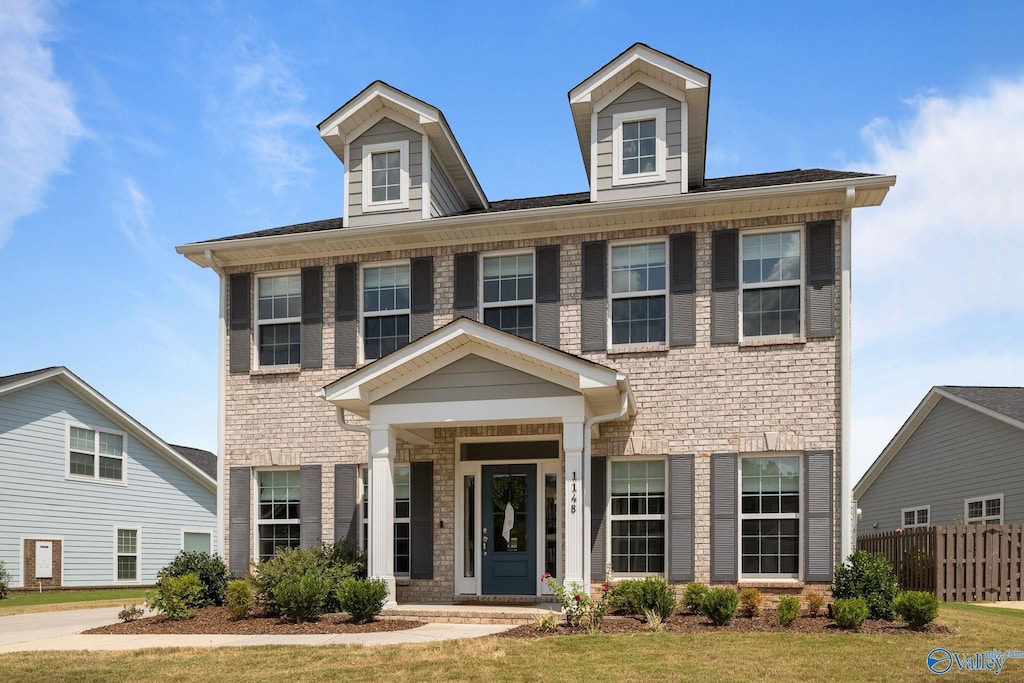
572,442
382,508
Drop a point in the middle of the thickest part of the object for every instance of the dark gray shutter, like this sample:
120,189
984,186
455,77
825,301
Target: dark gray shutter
724,517
239,519
683,286
598,528
310,506
819,539
346,503
422,304
680,517
421,520
547,274
821,279
465,285
594,308
240,291
346,319
311,354
724,285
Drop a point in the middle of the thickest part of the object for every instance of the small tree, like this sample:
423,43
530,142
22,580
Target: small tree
869,577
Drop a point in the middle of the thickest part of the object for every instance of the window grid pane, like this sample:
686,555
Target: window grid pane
770,490
127,568
517,320
771,311
638,516
280,344
771,546
508,278
639,147
638,320
279,297
82,464
279,495
387,176
127,541
638,546
274,536
83,440
110,468
384,334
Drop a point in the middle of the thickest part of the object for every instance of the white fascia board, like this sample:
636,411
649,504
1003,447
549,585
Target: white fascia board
491,412
423,113
695,78
644,79
450,141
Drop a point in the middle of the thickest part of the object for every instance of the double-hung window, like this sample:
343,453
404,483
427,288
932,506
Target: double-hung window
638,516
277,511
385,309
93,454
914,518
279,307
770,516
638,293
403,491
639,150
984,510
772,280
126,554
508,293
385,176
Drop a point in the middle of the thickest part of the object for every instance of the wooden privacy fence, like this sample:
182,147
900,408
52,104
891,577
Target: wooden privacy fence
968,563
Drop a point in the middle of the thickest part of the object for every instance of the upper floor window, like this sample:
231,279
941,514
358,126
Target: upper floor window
772,279
984,510
639,149
770,516
277,511
386,176
638,516
279,299
638,293
508,293
93,454
915,517
385,309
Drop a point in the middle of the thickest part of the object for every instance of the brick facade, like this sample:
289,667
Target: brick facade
29,569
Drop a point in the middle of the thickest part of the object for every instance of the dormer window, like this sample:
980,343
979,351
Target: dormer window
639,149
386,176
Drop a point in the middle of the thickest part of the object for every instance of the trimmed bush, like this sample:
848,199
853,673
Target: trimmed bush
640,596
363,599
240,598
332,563
917,608
789,610
815,601
301,596
178,596
209,569
869,577
5,582
130,613
694,595
850,613
750,602
719,605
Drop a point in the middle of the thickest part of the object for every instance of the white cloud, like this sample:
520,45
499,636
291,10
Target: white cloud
38,125
133,218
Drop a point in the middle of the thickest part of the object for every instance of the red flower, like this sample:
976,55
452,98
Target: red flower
576,597
545,576
606,587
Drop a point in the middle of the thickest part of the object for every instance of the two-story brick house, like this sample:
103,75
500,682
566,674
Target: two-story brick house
651,377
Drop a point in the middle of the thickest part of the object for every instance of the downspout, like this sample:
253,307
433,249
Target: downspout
221,396
845,506
365,429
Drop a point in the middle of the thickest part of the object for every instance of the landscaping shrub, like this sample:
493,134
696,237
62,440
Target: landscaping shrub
750,602
917,608
815,601
178,596
579,608
789,610
363,599
850,613
719,605
301,596
306,579
211,571
547,623
694,595
240,598
654,620
638,596
5,582
130,613
870,577
347,556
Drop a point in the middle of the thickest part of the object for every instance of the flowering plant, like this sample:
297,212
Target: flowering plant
579,608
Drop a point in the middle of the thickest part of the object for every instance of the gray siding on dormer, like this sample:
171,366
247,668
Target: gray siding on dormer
955,453
444,200
639,98
37,500
385,131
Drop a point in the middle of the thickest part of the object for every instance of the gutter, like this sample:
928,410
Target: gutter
846,511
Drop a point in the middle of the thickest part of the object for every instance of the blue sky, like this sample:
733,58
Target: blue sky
129,128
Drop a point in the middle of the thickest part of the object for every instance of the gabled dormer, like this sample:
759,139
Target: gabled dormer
642,123
402,162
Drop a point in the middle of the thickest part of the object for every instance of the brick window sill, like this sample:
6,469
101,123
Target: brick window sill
636,348
278,370
771,341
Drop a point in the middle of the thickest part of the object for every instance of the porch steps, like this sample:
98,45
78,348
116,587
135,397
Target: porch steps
476,613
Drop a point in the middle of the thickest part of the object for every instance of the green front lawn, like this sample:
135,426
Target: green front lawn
640,657
23,603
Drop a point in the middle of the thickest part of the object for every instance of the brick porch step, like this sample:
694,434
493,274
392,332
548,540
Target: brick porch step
473,613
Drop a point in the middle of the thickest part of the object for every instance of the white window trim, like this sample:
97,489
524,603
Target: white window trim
772,285
271,321
404,520
138,552
634,518
915,510
984,518
659,174
364,521
364,314
639,346
402,147
799,515
123,481
484,305
207,532
255,508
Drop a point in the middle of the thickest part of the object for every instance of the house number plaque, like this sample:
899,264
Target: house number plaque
572,508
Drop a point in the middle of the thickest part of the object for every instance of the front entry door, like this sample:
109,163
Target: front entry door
509,527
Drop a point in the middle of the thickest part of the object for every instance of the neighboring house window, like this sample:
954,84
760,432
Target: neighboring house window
279,300
508,293
386,176
915,517
403,489
984,510
638,516
770,516
638,147
638,293
126,554
196,542
385,309
278,511
772,279
93,454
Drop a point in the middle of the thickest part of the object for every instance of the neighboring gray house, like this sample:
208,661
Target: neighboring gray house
88,496
956,460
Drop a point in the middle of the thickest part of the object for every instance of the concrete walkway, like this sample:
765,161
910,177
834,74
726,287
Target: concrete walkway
63,631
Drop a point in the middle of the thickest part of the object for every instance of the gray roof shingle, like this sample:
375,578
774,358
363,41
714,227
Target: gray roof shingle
9,379
204,460
1008,401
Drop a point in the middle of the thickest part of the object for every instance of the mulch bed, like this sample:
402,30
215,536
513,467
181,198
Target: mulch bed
689,623
218,620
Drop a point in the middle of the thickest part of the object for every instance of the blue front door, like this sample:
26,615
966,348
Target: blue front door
509,525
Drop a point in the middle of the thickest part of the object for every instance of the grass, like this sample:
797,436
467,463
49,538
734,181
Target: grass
25,603
639,657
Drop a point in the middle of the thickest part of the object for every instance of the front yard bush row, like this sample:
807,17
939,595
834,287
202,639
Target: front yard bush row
850,613
640,597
